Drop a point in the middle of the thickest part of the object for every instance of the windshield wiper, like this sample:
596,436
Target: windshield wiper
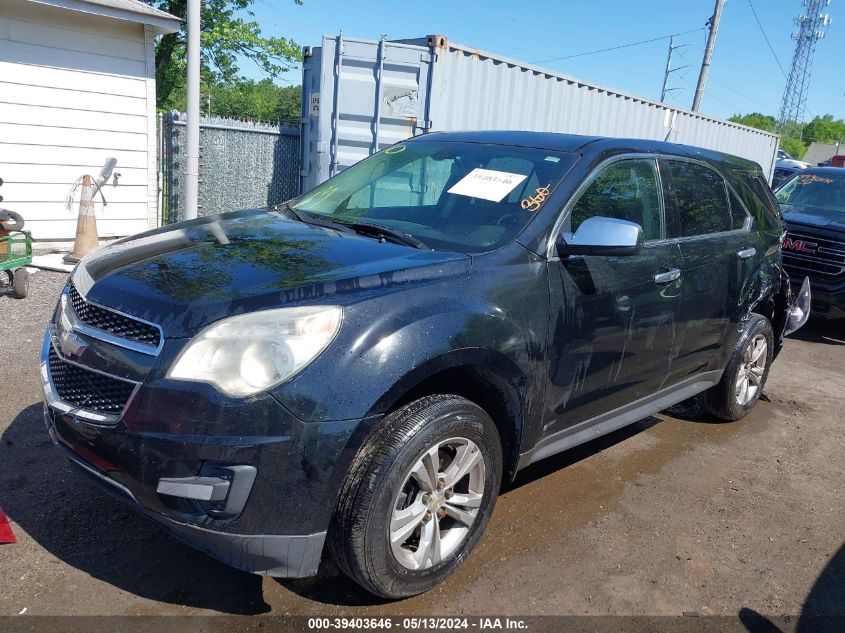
299,215
292,211
386,233
371,230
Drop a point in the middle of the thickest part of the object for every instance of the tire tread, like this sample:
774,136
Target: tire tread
374,459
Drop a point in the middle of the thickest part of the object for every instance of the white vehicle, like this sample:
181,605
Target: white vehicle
785,160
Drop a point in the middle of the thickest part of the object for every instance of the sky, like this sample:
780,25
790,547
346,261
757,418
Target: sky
744,75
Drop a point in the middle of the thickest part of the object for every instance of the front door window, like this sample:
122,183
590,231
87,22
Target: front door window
624,190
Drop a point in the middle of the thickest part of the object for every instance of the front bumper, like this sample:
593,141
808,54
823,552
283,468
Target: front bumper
174,430
282,556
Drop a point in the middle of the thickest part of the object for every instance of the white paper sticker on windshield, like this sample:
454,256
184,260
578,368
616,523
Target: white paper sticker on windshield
487,184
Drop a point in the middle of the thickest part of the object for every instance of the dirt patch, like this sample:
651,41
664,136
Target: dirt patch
793,406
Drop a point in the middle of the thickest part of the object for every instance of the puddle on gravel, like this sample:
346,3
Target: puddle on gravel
569,490
547,501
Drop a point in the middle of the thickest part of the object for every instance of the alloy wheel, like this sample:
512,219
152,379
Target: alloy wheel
750,376
437,504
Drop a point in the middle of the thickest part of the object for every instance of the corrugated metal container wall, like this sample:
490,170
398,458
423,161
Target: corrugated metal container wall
358,97
372,94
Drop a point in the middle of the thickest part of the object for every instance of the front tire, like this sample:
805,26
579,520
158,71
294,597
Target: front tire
745,374
418,496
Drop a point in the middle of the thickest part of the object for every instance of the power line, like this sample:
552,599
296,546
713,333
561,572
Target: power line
759,103
616,48
766,37
710,95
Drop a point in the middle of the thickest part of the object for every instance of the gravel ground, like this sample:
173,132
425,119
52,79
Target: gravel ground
675,514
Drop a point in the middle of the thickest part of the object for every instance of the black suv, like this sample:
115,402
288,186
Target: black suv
813,205
362,367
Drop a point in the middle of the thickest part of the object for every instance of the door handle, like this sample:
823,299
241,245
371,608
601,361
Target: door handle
746,253
669,275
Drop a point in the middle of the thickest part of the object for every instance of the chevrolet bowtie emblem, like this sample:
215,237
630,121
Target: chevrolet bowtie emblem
69,343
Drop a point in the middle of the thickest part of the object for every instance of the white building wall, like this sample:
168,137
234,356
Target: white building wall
75,89
152,137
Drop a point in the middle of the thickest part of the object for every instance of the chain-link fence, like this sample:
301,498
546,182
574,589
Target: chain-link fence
243,165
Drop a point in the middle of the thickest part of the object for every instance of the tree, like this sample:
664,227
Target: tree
824,129
262,100
225,37
794,138
246,98
793,146
756,120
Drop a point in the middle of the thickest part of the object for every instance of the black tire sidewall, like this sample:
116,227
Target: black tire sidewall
458,418
758,325
20,282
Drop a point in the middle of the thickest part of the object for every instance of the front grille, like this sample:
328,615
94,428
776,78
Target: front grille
87,389
819,258
112,322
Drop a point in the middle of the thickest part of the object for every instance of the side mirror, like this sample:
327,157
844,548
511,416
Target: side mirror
603,236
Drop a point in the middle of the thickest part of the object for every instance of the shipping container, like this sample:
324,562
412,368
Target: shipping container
359,97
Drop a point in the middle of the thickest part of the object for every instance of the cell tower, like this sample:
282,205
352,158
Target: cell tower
811,27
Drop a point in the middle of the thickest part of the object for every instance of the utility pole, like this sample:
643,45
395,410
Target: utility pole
192,166
669,68
713,22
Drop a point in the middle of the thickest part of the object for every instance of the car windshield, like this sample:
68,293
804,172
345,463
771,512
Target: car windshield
466,197
814,190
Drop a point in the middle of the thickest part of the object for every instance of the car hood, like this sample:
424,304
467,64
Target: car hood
188,275
818,217
791,163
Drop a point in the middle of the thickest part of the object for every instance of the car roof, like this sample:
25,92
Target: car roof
540,140
554,141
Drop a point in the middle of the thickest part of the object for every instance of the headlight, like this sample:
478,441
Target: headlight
248,353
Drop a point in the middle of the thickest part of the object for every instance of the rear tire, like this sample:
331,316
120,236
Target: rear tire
20,282
745,374
417,496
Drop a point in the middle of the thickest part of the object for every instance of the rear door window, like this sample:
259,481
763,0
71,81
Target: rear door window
766,210
739,215
697,197
764,193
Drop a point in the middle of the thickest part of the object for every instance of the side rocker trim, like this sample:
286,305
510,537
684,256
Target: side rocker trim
616,419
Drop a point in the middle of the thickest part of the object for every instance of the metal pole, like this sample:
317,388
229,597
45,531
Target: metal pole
160,175
193,124
668,68
335,113
708,54
379,86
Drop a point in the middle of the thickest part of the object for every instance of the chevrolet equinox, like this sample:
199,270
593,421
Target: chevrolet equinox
359,369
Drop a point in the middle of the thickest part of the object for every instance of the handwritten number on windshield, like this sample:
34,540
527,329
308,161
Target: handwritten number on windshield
535,202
